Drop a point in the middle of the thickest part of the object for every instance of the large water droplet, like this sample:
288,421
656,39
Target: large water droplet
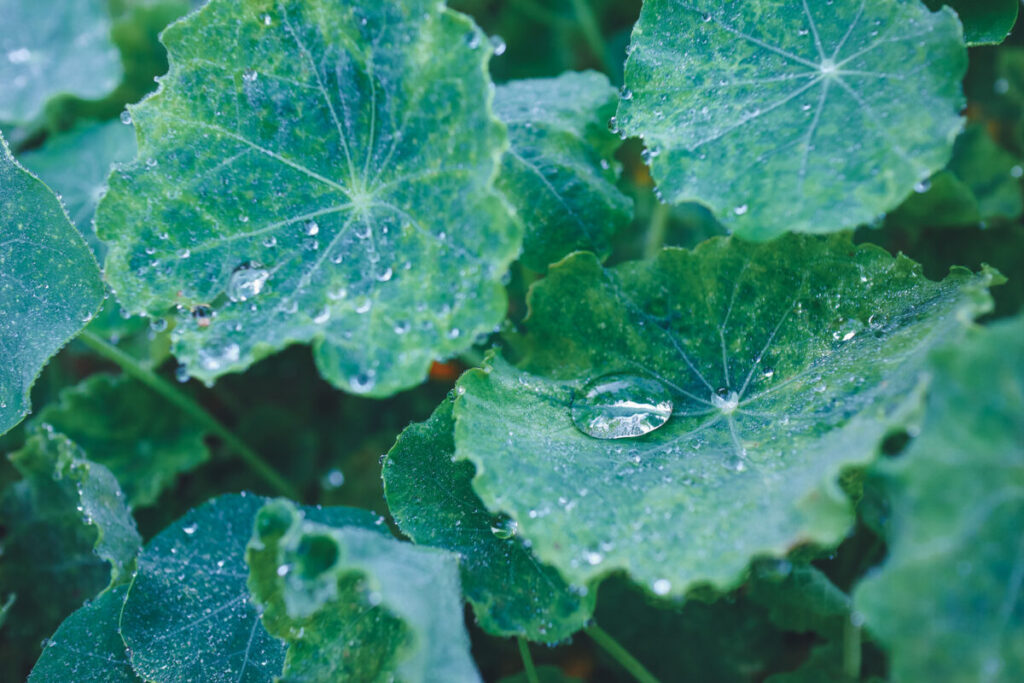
504,527
247,281
620,406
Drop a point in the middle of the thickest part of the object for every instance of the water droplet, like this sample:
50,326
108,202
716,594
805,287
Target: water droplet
661,586
923,186
270,242
1017,171
266,19
473,40
386,275
283,569
190,529
158,324
323,316
619,406
362,382
19,56
364,305
725,400
504,527
497,45
741,210
247,281
1001,86
249,75
202,315
310,244
181,373
401,327
333,479
311,228
126,117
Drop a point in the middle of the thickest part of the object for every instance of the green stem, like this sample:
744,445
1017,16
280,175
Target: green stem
620,654
528,667
541,14
657,229
851,650
135,369
592,34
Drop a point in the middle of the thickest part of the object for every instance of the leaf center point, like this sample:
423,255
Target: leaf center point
725,401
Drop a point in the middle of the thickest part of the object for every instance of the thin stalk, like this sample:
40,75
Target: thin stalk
657,230
528,667
592,34
183,402
620,654
851,650
541,14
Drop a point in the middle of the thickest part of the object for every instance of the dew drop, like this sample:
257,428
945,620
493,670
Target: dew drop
126,117
619,406
270,242
1017,171
311,228
247,281
190,529
741,210
504,527
362,382
725,400
662,586
334,479
181,373
249,75
923,186
497,45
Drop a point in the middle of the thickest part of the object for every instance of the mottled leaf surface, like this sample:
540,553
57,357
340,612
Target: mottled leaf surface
317,171
76,164
49,283
189,614
356,605
799,598
433,503
87,647
785,362
985,22
52,48
948,601
130,430
67,535
560,171
799,116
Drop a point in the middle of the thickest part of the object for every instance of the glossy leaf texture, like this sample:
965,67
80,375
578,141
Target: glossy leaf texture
76,165
87,647
433,503
986,22
316,171
131,431
54,48
49,283
189,614
560,170
356,605
796,116
982,183
67,535
956,522
786,362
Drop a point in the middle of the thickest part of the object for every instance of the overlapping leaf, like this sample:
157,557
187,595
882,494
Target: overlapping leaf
76,165
49,283
53,48
948,601
433,503
130,430
781,364
317,171
67,535
356,605
794,116
559,171
985,21
189,614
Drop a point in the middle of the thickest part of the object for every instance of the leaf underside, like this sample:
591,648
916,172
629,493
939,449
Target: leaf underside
798,117
817,346
327,179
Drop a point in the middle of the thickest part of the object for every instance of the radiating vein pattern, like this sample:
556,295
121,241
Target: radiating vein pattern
793,115
346,148
786,362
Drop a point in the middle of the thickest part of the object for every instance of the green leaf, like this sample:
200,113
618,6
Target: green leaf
49,283
824,665
53,48
356,605
948,601
784,363
189,614
67,535
76,164
806,117
131,430
431,500
87,647
559,172
981,184
800,598
986,22
317,171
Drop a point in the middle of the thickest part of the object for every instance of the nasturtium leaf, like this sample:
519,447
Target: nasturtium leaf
800,116
825,664
49,283
985,22
947,602
129,429
981,183
560,171
67,535
786,362
53,48
189,614
87,648
432,501
76,165
317,171
800,598
355,605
